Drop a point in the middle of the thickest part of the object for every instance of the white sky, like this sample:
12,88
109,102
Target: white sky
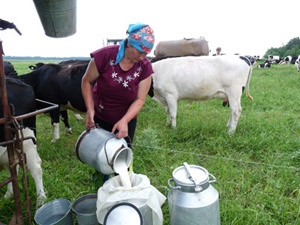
246,27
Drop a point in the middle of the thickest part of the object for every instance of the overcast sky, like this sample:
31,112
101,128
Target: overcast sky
238,26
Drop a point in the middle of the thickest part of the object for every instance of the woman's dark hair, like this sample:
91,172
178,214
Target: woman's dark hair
126,42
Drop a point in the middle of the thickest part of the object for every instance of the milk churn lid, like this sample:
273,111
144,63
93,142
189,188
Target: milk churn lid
181,176
122,214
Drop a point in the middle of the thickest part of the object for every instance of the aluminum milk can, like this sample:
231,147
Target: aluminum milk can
193,200
103,151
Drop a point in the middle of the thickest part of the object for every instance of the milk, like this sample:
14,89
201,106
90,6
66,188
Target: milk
120,167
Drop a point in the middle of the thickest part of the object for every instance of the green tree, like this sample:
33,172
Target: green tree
292,48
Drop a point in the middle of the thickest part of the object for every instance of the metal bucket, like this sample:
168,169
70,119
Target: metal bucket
58,17
56,212
103,151
85,209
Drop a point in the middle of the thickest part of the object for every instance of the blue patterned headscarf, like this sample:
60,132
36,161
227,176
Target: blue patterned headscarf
140,36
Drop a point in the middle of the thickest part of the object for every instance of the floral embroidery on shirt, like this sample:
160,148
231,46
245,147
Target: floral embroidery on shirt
129,78
100,107
114,75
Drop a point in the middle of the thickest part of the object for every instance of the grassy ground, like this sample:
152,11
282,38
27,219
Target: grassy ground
257,168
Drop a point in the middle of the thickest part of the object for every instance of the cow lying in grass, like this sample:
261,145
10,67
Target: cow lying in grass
201,78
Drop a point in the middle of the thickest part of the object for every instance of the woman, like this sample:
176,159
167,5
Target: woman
123,78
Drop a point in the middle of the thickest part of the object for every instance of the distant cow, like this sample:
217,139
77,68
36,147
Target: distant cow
59,84
288,60
297,63
21,96
274,59
264,65
201,78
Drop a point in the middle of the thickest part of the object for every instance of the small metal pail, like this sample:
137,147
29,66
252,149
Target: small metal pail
85,210
56,212
58,17
103,151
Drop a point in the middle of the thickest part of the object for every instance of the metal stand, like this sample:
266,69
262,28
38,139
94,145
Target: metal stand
11,125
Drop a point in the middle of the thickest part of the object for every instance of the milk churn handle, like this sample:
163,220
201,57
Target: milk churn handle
214,179
170,185
109,163
130,141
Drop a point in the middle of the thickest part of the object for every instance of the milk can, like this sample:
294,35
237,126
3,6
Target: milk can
192,199
103,151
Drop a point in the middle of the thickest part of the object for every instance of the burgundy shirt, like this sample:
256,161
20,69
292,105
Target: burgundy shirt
116,89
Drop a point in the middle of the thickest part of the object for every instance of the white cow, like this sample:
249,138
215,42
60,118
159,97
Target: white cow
202,78
33,165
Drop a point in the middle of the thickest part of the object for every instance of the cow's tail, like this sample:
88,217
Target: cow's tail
151,90
248,84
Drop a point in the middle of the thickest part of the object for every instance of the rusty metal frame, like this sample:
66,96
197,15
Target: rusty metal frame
13,144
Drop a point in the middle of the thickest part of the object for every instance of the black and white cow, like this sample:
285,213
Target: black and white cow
59,84
22,97
9,69
275,59
297,63
288,60
201,78
63,113
264,65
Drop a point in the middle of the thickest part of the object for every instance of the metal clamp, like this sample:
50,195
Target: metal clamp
198,188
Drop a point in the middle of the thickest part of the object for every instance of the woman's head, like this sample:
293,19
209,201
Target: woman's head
140,37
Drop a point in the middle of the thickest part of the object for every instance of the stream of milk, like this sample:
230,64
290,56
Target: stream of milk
120,167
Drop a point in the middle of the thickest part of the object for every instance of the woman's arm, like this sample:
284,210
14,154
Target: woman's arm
91,74
135,107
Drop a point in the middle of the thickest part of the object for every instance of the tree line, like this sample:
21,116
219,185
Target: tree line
292,48
42,58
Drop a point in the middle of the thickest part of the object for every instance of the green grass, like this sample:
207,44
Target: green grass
257,168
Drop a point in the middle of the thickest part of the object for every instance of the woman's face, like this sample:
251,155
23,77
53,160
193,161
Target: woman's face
135,55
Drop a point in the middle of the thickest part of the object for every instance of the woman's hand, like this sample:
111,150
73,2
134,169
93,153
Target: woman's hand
122,127
89,120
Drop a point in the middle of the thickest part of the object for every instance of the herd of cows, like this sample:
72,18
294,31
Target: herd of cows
195,78
275,59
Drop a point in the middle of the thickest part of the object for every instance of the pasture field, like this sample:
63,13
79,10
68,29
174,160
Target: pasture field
257,168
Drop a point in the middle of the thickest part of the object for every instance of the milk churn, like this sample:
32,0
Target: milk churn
103,151
192,199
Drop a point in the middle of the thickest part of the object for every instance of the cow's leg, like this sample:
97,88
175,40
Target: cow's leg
4,161
235,112
9,193
34,163
168,115
78,116
54,114
172,110
64,118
